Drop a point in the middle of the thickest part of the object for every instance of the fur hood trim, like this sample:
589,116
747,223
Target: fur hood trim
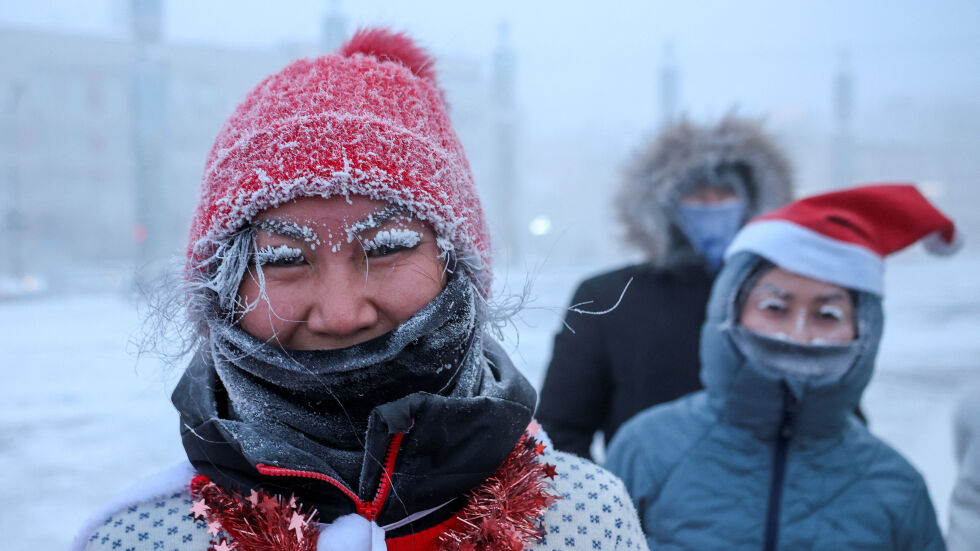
662,164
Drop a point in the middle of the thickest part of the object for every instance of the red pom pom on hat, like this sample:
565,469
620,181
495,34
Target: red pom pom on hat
388,45
842,237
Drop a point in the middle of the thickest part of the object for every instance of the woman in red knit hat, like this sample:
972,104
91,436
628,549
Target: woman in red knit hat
343,392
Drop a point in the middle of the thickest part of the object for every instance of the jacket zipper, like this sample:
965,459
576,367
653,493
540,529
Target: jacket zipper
367,509
786,425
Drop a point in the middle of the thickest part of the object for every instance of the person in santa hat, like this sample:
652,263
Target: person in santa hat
344,393
770,456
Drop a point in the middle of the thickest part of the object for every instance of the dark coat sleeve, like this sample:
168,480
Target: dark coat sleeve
576,391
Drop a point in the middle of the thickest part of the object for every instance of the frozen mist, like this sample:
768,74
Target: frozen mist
80,418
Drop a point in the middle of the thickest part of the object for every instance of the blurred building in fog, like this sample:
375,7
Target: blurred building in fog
103,141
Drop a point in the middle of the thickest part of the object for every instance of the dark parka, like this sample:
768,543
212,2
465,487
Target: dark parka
750,464
609,367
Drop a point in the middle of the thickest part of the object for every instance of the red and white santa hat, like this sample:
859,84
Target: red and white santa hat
369,119
843,237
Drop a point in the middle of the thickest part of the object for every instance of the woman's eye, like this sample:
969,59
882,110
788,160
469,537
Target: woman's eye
388,242
830,313
281,256
772,305
385,250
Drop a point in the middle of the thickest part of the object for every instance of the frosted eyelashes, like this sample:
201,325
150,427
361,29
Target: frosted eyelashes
392,240
772,304
831,312
282,255
826,311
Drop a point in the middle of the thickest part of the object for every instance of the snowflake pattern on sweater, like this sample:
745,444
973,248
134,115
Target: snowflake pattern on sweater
594,512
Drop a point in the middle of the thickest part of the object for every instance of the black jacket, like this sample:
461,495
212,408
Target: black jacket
615,365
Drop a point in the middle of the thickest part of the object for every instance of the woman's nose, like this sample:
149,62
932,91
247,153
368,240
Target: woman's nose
342,302
801,330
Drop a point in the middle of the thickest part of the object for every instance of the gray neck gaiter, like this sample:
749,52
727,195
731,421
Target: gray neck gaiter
801,365
319,401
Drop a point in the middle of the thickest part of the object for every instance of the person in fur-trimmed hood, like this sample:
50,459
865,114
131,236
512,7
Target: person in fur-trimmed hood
681,200
344,392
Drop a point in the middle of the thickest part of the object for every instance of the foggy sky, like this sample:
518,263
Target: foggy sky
586,67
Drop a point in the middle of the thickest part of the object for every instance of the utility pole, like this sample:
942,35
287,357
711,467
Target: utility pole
149,85
334,28
843,140
11,216
669,87
505,143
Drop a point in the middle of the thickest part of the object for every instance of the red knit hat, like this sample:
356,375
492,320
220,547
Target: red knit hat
843,237
369,119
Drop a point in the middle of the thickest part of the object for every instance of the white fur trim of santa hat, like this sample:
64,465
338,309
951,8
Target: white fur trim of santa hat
812,254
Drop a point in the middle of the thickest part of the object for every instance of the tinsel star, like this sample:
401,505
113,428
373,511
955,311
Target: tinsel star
539,449
199,509
253,498
223,546
214,527
297,523
550,471
269,504
534,427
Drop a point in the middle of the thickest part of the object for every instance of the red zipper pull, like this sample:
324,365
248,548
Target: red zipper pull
368,510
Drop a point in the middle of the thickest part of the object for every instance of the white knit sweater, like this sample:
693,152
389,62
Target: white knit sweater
594,512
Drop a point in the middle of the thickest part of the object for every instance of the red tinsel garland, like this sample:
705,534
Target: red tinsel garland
260,522
504,513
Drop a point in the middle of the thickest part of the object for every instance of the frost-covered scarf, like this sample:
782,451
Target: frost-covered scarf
310,409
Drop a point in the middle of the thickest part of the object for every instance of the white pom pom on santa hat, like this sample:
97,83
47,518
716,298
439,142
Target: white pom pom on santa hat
936,244
842,237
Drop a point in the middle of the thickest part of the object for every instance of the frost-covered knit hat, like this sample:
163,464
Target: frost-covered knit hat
843,237
369,119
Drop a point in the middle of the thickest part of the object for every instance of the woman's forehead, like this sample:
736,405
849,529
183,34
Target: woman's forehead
784,282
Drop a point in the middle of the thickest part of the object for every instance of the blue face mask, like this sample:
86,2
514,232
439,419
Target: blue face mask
710,228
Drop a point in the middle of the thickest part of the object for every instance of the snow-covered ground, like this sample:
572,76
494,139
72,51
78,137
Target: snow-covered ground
80,418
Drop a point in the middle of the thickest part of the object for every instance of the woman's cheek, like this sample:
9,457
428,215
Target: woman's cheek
269,315
411,286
